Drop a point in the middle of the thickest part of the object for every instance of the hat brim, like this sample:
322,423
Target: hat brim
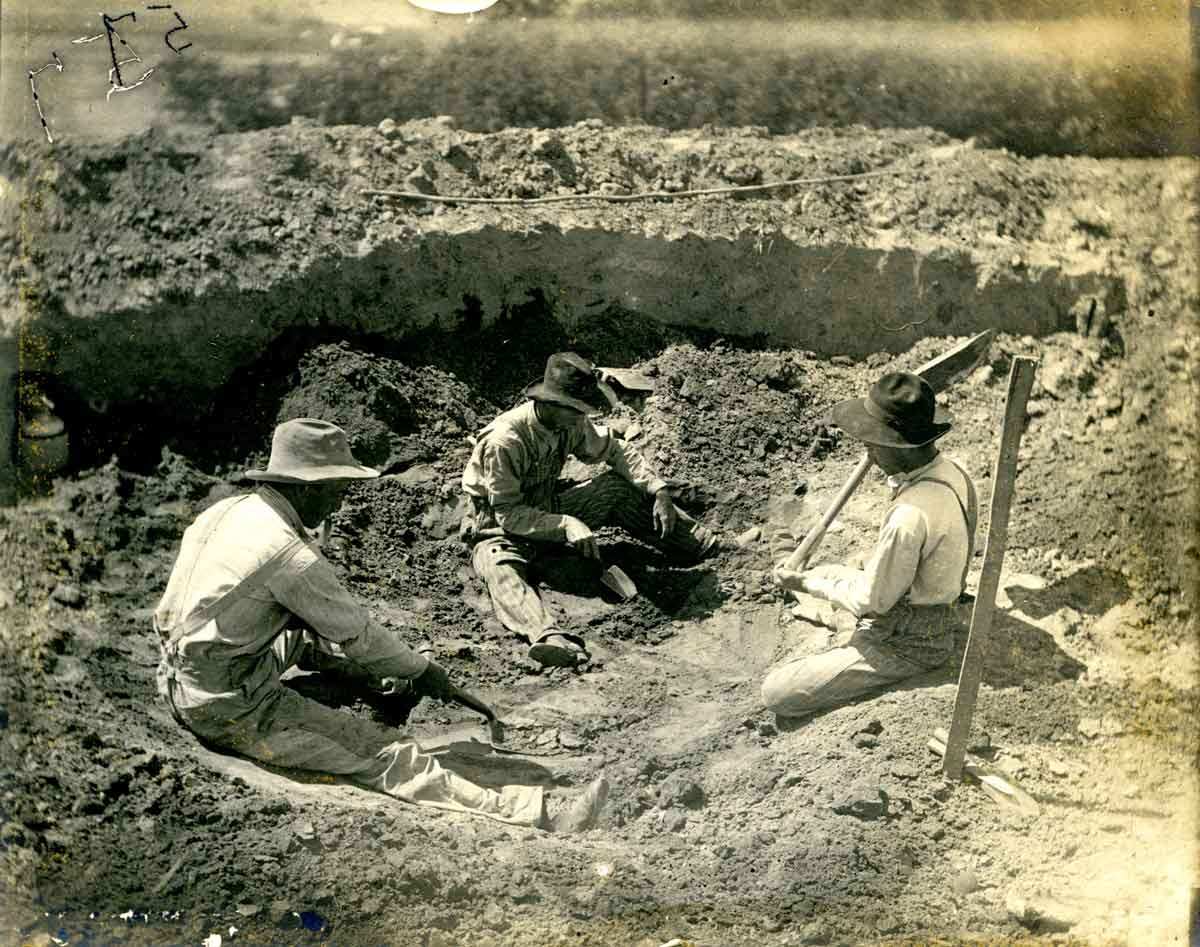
852,417
313,474
539,392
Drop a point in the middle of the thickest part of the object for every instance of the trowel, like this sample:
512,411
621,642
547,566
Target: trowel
624,386
495,726
616,581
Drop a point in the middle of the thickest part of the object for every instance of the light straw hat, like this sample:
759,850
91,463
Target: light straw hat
306,450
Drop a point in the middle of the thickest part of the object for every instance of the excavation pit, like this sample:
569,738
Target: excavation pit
183,295
490,305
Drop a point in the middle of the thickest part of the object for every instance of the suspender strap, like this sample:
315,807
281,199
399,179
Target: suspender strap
255,580
970,513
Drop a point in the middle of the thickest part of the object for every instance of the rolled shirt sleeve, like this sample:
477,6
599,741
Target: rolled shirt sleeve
887,576
595,444
313,593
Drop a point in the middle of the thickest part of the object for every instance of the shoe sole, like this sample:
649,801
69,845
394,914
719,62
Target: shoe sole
553,655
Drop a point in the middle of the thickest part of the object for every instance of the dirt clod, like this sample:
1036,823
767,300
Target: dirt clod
863,802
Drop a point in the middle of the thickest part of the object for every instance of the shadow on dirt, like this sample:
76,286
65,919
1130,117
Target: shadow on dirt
1019,653
1093,590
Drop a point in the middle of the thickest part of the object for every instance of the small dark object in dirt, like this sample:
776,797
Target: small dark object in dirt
312,921
865,740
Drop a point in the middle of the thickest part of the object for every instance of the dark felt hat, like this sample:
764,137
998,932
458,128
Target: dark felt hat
572,381
898,411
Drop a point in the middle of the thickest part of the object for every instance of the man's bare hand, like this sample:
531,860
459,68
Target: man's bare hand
789,579
665,514
581,538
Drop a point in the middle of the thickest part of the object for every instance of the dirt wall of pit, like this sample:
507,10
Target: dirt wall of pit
153,270
840,300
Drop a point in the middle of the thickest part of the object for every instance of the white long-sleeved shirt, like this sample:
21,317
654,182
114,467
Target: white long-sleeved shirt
923,548
230,657
517,461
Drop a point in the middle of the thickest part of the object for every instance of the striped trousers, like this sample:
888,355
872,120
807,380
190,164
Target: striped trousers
607,500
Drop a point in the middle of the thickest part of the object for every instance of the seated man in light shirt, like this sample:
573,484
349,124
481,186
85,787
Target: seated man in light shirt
898,613
251,596
518,508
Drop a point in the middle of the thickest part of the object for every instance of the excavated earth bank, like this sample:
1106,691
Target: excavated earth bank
179,296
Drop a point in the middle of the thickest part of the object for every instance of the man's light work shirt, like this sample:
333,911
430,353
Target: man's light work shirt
230,657
923,547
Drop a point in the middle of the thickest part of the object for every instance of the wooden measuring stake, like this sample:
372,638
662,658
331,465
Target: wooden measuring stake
939,373
1020,383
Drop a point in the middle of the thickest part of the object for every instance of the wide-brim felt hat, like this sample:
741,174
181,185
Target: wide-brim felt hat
307,450
900,410
571,381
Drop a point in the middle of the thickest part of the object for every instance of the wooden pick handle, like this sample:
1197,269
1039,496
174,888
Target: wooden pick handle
798,559
939,372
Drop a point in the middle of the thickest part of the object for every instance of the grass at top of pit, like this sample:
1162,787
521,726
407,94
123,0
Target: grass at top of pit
1105,88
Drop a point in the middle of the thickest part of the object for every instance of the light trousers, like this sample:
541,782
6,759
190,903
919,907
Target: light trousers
607,500
283,728
908,641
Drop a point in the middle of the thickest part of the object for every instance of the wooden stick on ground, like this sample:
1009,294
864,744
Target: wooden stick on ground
996,786
939,373
1020,382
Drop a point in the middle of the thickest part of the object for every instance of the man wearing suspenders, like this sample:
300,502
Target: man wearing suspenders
250,596
896,616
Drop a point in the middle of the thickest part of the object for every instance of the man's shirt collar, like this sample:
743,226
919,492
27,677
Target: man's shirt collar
901,480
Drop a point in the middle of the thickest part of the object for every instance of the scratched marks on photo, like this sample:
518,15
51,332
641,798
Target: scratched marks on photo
33,74
116,81
182,26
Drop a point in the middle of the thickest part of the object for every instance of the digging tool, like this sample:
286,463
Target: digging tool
1020,383
495,725
939,373
624,386
615,579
